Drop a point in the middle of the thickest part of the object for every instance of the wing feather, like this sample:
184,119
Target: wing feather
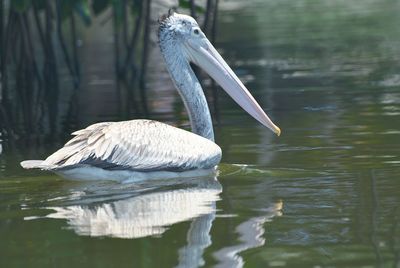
138,145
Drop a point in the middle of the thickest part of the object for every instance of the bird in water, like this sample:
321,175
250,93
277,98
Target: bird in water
146,148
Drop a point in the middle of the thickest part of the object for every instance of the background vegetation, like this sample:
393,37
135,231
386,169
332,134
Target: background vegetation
39,45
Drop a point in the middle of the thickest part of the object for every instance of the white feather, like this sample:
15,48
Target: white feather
139,145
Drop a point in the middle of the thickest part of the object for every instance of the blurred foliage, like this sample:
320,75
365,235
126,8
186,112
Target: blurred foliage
187,4
86,9
40,38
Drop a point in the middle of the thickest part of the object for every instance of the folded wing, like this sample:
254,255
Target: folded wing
141,145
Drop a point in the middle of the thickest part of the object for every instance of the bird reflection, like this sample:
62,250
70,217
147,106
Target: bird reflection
146,211
251,234
198,239
148,214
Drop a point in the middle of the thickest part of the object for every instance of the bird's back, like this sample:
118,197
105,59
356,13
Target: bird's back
138,145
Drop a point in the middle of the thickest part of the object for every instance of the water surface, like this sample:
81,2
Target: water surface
324,194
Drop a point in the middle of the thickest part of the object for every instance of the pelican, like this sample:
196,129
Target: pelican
117,150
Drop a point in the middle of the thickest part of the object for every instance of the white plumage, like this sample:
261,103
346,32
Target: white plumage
136,145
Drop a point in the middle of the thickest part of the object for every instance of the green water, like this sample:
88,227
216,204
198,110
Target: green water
324,194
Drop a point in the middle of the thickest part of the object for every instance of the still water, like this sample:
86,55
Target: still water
324,194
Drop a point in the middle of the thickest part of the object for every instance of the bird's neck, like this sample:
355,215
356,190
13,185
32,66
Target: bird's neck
191,92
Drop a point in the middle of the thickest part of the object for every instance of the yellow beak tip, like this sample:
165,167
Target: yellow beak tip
278,131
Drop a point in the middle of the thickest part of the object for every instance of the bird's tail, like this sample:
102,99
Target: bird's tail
30,164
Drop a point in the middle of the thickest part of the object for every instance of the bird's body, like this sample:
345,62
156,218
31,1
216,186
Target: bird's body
119,150
130,146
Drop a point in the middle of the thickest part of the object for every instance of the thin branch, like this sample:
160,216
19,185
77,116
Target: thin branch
39,25
50,70
192,9
125,23
2,55
30,52
117,56
74,45
20,79
133,42
63,46
4,75
209,8
27,31
214,24
145,55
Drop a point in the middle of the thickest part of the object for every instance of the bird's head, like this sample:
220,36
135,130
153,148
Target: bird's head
181,35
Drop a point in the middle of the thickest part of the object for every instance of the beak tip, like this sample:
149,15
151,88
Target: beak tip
278,131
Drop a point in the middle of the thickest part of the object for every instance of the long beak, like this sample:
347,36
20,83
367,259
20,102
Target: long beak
208,58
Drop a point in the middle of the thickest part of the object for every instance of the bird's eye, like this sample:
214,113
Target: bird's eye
196,31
